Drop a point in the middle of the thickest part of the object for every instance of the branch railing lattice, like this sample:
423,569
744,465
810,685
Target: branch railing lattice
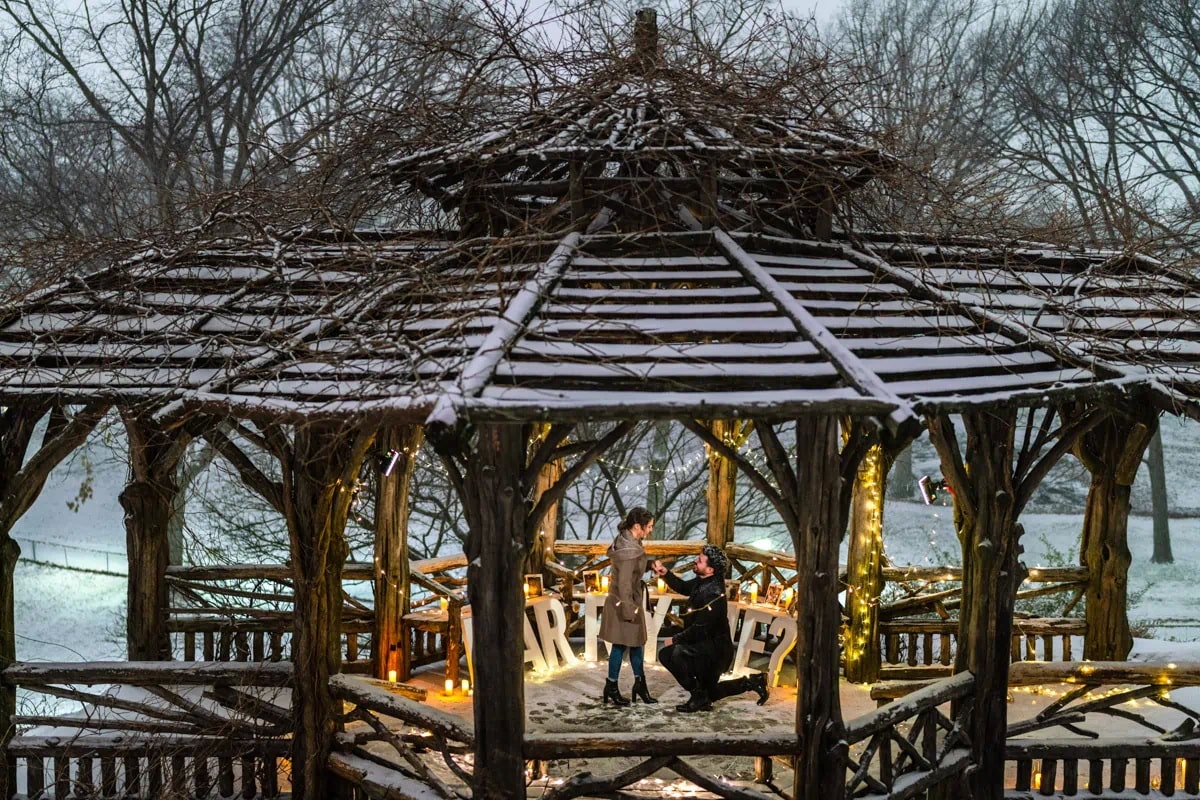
911,745
1115,730
152,729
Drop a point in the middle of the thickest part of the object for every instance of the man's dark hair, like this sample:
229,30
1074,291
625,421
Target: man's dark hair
716,559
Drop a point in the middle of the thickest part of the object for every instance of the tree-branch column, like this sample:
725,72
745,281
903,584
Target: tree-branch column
864,560
722,481
319,469
1111,452
985,517
496,548
819,772
389,650
149,501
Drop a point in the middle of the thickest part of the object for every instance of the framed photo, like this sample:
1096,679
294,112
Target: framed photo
774,592
591,581
533,586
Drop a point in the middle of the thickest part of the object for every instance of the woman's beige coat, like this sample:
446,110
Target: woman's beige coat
623,620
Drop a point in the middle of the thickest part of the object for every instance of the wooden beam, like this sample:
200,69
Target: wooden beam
397,447
98,673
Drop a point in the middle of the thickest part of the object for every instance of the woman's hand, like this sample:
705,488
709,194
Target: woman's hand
658,568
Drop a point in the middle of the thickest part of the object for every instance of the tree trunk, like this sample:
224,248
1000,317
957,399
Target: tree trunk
722,484
901,484
1112,453
1158,496
319,473
389,651
865,565
496,514
991,575
820,769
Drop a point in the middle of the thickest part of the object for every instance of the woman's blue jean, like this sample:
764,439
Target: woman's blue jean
616,654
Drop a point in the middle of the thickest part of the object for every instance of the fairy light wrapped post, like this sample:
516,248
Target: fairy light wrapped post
865,569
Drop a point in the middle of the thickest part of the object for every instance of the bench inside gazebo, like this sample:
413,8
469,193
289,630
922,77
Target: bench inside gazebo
649,247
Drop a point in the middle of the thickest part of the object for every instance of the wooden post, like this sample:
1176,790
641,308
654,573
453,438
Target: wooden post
10,552
986,523
392,596
819,770
1158,495
865,569
319,470
1111,452
722,481
542,540
149,501
496,515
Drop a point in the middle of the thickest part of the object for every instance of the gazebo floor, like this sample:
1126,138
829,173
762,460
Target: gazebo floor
567,700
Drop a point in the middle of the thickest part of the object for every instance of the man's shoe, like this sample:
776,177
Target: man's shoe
758,684
697,702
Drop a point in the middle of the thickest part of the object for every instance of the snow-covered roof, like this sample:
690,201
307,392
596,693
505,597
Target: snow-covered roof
701,324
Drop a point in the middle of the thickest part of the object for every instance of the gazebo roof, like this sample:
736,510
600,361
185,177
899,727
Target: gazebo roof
699,324
672,121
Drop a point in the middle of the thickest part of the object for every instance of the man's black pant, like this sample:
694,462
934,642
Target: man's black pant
698,671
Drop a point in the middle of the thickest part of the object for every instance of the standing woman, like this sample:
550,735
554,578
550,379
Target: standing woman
623,623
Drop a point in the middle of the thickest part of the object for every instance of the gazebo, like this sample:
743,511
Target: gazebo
650,246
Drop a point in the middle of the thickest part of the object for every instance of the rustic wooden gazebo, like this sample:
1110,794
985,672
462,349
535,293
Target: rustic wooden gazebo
648,247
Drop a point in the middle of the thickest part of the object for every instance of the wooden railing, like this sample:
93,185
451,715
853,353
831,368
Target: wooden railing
431,731
917,648
159,729
909,746
1164,761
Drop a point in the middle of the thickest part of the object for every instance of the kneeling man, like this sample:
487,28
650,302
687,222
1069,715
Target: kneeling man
698,654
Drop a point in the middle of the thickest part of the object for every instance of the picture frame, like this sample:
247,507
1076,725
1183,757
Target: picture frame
591,581
534,584
774,593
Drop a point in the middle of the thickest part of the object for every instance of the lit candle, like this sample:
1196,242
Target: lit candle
604,584
754,593
391,676
525,586
443,603
466,685
449,687
662,586
787,596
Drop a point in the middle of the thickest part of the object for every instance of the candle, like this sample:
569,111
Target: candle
525,586
662,586
443,603
604,584
787,596
466,686
391,676
449,687
754,593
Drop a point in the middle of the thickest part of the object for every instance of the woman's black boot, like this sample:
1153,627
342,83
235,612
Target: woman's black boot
640,692
613,694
